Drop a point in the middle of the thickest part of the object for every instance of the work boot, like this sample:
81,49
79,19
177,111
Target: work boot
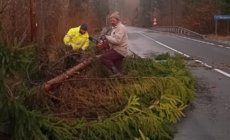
116,73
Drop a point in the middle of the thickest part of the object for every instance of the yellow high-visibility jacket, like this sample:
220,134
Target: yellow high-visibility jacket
76,39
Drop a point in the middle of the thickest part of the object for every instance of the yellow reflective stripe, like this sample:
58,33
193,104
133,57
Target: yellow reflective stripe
78,45
68,36
75,43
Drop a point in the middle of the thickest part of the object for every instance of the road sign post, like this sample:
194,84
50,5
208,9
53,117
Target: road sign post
221,17
154,21
228,28
33,20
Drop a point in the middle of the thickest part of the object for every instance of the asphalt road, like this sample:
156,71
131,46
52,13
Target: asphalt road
208,117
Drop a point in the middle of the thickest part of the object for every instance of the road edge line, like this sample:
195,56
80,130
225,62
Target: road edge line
222,72
206,65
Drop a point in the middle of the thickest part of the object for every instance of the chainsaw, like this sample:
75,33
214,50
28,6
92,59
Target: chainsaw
102,44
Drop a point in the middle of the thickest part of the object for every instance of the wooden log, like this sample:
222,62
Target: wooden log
67,75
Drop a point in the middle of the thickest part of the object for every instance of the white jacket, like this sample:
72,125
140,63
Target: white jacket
119,39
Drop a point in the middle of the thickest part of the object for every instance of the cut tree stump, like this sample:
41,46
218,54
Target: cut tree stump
67,75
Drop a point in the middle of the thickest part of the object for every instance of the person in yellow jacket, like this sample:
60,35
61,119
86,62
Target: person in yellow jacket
77,38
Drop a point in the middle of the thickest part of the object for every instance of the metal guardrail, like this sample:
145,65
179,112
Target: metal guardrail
178,30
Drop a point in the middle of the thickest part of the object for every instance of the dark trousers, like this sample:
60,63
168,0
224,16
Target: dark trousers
72,60
111,59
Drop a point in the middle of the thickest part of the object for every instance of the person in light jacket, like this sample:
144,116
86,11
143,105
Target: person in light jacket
118,41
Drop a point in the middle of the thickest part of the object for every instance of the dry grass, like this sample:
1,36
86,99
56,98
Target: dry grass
81,96
77,98
91,98
218,38
54,20
15,22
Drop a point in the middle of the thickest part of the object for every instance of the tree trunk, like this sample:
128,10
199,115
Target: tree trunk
33,19
4,136
67,75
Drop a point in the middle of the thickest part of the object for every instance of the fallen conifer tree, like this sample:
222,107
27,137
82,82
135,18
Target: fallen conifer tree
146,102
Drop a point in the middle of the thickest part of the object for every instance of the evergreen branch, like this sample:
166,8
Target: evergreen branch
151,99
131,102
49,94
9,91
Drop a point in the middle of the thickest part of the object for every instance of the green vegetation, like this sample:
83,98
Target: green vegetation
142,105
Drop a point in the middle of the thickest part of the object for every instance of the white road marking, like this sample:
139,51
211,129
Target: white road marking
221,46
206,65
217,70
198,41
222,72
164,45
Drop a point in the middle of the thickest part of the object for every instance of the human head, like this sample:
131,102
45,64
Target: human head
115,19
83,28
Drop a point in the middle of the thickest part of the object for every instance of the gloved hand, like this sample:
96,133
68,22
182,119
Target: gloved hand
80,50
99,44
102,37
68,47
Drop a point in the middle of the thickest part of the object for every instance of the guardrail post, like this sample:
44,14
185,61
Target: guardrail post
179,30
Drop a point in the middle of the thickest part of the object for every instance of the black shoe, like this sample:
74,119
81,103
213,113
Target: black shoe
116,73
